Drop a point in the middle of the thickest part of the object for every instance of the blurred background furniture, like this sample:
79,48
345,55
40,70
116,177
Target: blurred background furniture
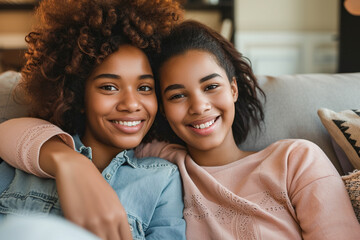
279,37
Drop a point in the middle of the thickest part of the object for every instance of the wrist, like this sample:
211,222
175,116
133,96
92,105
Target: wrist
54,156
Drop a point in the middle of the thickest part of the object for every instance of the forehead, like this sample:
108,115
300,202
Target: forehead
191,64
126,60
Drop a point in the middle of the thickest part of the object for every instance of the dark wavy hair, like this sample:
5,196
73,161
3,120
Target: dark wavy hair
72,37
192,35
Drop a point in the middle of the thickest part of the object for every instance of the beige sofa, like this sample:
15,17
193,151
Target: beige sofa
291,111
291,106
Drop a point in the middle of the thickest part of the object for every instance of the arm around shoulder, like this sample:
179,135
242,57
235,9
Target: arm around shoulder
21,140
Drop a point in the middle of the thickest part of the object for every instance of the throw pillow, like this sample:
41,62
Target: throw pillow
352,185
344,128
345,164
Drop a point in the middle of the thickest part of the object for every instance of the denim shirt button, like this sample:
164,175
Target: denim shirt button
131,228
108,176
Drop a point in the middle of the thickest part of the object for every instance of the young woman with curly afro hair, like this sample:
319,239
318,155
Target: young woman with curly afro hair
88,72
73,37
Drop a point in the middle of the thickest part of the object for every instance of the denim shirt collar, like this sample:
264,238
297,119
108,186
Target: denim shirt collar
124,156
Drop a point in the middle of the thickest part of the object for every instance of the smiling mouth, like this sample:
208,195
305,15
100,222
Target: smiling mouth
127,123
204,125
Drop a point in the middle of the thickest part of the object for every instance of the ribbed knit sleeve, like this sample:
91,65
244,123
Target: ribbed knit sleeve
21,140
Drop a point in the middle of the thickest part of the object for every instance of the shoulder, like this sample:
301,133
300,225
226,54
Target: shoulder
293,146
155,170
294,143
298,153
303,157
154,163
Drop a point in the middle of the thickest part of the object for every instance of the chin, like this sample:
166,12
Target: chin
205,146
126,143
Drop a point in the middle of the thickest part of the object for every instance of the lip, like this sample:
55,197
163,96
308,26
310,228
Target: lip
200,126
128,126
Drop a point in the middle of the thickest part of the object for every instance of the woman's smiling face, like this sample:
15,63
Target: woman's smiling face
120,101
198,99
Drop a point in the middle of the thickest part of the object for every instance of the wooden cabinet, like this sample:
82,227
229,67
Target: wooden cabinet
13,31
18,4
225,7
349,39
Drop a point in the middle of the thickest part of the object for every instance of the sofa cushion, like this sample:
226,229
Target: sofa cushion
292,104
9,108
344,128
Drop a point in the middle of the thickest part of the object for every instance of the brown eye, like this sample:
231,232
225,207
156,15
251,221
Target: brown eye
176,96
108,88
145,88
210,87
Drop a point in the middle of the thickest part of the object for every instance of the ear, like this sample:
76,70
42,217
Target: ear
234,89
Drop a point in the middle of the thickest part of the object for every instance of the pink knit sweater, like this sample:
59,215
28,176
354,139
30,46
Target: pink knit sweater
290,190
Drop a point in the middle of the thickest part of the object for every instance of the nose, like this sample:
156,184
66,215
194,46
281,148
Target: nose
128,101
199,104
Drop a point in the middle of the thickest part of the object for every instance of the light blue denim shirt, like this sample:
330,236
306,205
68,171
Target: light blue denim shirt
149,189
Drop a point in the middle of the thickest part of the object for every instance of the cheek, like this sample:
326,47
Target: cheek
174,113
225,99
99,104
151,106
174,117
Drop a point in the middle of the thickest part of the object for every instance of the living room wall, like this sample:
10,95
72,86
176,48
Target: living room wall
288,36
286,15
300,16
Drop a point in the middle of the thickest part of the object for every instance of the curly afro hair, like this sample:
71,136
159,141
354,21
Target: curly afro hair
72,37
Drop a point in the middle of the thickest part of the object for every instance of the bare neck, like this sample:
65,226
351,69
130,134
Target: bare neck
223,154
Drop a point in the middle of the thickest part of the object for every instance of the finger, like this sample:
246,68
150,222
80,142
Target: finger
124,231
113,234
100,232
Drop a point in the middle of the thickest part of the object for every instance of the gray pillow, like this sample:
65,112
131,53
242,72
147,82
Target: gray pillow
8,107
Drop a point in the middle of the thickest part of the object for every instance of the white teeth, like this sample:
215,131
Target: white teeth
204,125
127,123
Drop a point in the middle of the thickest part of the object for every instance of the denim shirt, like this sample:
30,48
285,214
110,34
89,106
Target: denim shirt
149,189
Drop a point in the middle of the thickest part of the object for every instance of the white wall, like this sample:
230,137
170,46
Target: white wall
288,36
286,15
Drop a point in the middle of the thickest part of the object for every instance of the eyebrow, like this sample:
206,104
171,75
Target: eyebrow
203,79
115,76
107,75
146,76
